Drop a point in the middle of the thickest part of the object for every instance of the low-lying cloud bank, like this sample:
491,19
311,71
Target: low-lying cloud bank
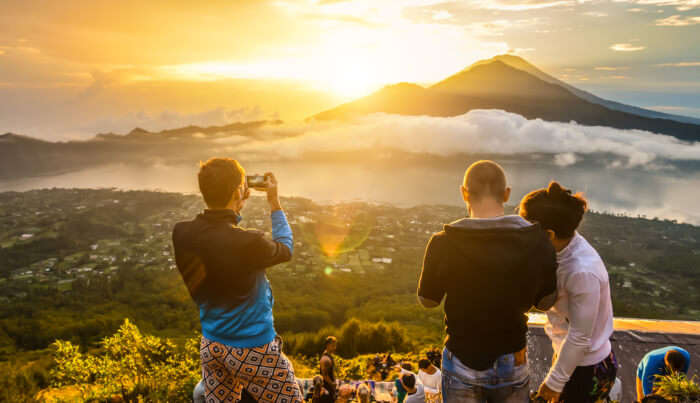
478,131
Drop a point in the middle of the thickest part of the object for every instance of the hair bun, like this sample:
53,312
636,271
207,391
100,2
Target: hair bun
555,190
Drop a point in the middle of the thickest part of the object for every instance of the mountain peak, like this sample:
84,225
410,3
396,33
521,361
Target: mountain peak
10,137
509,57
138,130
495,77
510,83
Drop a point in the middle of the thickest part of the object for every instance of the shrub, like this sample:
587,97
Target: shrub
677,388
132,365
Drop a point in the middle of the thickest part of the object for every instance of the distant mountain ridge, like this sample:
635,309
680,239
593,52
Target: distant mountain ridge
187,131
525,90
521,64
24,156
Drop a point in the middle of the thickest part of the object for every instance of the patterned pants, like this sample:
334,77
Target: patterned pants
264,372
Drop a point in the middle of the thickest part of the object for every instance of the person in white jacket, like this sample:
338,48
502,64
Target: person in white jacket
431,378
581,321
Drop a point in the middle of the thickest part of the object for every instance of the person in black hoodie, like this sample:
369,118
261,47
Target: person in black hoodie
490,269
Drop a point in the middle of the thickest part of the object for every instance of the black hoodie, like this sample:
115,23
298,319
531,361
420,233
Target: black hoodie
491,272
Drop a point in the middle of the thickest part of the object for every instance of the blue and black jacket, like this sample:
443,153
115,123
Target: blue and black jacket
223,266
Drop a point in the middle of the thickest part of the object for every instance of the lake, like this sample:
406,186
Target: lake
663,193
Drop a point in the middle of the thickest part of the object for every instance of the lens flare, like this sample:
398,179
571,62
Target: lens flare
338,229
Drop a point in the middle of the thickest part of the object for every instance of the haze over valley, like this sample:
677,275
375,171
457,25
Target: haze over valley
408,134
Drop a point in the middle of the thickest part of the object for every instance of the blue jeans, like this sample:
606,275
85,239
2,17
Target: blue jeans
505,382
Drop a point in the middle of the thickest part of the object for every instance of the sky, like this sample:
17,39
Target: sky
71,69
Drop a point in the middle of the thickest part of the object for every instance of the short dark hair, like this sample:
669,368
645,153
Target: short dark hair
330,340
218,179
485,179
554,208
407,366
675,360
424,363
409,380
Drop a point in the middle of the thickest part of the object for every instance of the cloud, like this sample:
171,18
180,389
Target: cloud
500,26
442,15
478,132
609,68
595,14
680,64
520,51
565,159
677,21
626,47
523,5
680,5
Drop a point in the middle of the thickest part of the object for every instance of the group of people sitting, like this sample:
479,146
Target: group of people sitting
409,387
487,270
426,386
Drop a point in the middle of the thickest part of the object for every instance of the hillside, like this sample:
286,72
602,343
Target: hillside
75,263
498,85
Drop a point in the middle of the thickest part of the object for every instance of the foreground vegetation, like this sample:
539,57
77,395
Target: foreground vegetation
677,388
131,366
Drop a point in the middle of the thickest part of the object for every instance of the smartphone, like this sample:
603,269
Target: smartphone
256,181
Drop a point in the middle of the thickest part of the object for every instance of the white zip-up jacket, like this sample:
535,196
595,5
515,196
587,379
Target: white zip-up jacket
581,321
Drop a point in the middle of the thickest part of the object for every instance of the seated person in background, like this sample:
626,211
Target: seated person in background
403,368
223,267
431,378
581,321
386,365
435,357
491,269
320,394
414,389
660,362
364,394
345,393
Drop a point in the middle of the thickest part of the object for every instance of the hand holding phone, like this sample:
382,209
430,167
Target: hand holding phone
266,183
257,182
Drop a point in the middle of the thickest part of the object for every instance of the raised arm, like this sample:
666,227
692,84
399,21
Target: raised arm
264,252
281,231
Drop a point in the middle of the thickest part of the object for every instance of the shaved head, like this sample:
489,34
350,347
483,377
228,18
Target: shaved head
485,179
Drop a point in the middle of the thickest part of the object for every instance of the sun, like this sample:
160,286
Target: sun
353,84
346,73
